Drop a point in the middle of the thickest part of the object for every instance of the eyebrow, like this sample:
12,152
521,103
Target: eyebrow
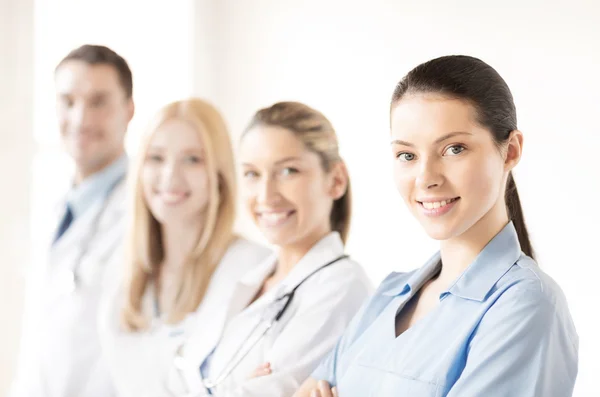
95,94
439,140
285,160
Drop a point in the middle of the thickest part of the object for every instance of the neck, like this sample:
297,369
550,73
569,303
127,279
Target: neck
291,254
179,240
459,252
82,172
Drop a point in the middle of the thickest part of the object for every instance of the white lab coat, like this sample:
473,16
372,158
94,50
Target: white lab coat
60,354
320,311
139,361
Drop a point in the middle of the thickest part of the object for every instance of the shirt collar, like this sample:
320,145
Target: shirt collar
325,250
478,279
498,256
81,197
415,280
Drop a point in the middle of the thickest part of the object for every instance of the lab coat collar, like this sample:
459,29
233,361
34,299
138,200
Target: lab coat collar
325,250
96,187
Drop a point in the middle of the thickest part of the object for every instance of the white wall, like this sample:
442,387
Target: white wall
16,151
344,58
159,50
158,41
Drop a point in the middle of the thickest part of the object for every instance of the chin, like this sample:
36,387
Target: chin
278,237
439,231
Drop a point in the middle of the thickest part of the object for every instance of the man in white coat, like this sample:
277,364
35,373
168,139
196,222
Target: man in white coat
60,351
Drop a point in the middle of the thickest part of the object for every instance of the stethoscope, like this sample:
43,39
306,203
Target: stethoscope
71,280
272,314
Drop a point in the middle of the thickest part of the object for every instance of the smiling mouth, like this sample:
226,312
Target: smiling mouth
432,205
272,219
170,198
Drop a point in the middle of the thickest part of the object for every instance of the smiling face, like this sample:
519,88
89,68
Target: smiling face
174,175
285,188
93,112
447,167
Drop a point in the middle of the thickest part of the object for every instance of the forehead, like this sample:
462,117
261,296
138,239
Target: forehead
269,144
427,116
80,78
176,134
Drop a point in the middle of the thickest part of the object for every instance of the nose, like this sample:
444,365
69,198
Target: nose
79,118
268,192
430,173
171,175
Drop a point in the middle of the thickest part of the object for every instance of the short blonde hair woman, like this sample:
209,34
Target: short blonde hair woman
181,254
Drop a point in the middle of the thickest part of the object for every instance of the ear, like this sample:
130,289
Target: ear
513,150
339,180
130,109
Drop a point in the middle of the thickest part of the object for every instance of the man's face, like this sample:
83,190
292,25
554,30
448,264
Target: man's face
93,112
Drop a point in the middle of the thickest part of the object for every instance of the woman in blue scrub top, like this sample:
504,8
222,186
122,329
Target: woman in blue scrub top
480,318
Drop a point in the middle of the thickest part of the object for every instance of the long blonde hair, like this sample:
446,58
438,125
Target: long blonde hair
318,135
145,251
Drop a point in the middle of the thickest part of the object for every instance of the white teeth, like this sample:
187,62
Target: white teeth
274,217
436,204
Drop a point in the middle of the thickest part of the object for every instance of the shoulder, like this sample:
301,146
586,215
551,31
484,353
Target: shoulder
346,274
527,293
242,255
343,287
525,280
241,248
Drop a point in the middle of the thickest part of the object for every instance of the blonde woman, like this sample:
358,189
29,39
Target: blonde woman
288,312
182,254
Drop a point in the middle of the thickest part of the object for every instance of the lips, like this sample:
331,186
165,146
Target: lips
172,197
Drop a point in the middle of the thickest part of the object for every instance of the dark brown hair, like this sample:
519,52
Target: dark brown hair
317,133
101,55
472,80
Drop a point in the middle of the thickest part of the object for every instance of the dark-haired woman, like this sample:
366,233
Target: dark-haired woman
480,318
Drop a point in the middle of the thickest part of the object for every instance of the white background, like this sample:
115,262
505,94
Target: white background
344,59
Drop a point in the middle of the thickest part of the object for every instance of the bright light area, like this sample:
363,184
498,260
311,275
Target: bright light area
344,58
158,45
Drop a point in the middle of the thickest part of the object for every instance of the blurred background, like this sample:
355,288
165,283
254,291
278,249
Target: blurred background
343,58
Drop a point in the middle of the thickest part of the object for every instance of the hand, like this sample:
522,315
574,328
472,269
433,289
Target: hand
324,390
262,370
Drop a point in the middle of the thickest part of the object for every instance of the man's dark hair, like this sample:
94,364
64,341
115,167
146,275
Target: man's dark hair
101,55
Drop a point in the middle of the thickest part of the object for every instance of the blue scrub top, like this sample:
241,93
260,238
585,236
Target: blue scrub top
502,329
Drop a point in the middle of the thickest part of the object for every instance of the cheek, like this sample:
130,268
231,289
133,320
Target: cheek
482,178
147,178
197,180
63,121
247,192
314,196
404,181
